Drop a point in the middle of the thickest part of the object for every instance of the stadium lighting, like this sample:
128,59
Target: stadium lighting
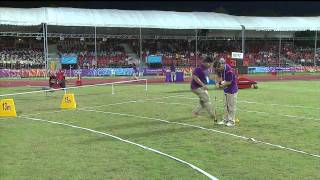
61,38
82,39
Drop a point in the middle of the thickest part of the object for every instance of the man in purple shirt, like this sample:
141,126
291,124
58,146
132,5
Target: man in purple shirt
135,71
199,87
173,72
230,87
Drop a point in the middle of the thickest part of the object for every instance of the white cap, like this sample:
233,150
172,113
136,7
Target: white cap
222,61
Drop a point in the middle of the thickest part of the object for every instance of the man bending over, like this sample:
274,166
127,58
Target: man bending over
199,87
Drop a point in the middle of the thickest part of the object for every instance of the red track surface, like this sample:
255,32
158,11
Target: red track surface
17,83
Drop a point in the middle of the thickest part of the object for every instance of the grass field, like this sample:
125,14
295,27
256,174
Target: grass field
281,113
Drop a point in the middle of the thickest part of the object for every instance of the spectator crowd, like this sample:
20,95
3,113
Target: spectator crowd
111,53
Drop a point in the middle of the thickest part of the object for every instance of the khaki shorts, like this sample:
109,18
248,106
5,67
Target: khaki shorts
202,94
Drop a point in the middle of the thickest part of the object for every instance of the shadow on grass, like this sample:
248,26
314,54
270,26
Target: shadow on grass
157,133
140,124
129,134
34,112
124,126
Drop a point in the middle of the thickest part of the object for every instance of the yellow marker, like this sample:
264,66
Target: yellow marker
68,102
237,120
7,108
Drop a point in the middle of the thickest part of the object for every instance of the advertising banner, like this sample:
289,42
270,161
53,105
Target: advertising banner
68,60
154,59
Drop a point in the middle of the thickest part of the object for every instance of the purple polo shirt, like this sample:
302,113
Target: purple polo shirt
200,72
172,68
135,69
229,75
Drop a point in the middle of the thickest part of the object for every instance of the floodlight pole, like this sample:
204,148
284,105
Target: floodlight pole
243,38
95,45
279,48
44,48
47,48
140,38
196,54
315,48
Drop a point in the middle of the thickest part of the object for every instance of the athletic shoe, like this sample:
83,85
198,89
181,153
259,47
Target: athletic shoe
214,119
230,124
221,123
194,114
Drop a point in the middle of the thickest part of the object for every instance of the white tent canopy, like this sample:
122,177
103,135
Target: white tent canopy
152,19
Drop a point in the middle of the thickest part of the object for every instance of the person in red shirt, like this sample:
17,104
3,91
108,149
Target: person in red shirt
61,78
52,80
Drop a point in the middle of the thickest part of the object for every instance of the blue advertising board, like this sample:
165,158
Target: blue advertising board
154,59
68,60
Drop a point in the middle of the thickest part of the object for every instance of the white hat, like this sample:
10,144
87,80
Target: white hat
222,61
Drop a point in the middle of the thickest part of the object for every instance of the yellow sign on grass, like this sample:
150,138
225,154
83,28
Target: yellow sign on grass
7,108
68,102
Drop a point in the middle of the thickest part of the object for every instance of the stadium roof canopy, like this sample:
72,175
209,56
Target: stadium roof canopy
152,19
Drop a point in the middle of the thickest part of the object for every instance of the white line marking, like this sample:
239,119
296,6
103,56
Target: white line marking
126,141
203,128
252,102
112,104
258,112
73,87
291,106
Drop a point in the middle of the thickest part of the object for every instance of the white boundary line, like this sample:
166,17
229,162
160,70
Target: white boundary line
258,112
203,128
126,141
112,104
73,87
104,105
290,106
252,102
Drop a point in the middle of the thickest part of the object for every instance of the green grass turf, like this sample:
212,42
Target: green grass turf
39,150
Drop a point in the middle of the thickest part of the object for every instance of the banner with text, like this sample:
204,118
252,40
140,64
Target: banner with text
146,71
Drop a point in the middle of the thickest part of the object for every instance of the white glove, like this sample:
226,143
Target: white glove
223,82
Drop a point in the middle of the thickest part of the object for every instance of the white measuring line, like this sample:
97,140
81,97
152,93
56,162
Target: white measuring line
119,103
260,112
252,102
63,110
203,128
74,87
290,106
126,141
112,104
